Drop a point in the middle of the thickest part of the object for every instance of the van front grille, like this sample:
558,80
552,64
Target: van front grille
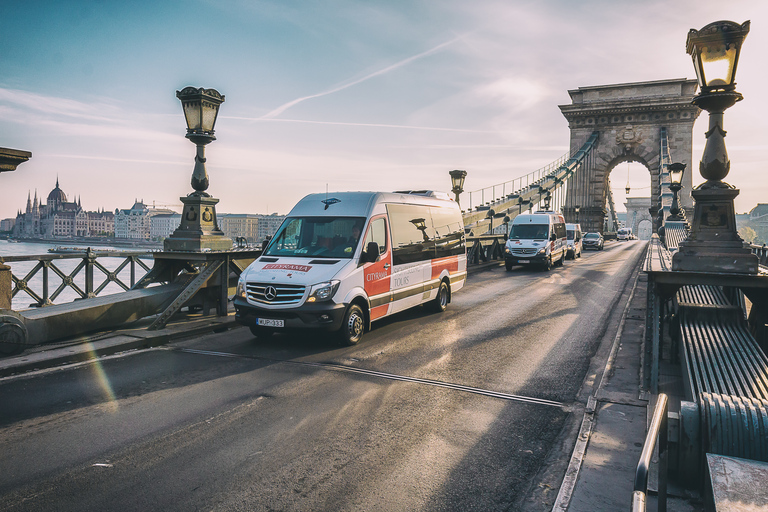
524,252
270,293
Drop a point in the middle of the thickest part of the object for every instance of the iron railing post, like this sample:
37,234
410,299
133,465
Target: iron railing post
89,259
45,301
657,431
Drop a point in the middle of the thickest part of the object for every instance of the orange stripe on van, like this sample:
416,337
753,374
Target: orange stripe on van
449,263
379,311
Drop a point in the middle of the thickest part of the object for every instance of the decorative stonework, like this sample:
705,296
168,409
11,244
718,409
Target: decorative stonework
629,118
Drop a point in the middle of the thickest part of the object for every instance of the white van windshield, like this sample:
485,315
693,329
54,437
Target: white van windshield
317,237
529,232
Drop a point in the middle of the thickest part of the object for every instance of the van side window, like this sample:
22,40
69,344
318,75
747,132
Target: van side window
449,231
377,232
560,230
412,233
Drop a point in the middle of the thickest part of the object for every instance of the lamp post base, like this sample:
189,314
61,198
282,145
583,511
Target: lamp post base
713,244
199,228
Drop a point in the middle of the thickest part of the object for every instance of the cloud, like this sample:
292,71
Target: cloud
282,108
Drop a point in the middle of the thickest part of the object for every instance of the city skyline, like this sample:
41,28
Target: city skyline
355,96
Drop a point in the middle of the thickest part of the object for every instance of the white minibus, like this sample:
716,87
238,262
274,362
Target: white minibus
341,261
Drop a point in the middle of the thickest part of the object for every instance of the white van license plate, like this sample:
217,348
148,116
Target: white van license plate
523,261
268,322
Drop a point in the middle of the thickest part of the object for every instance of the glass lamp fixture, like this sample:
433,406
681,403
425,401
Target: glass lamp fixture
457,182
715,52
201,107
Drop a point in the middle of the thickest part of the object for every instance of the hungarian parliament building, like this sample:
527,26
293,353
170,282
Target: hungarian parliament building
61,219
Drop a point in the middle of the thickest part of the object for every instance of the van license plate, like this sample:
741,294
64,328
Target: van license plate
268,322
523,261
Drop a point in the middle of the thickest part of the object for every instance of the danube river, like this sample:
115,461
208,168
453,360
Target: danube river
20,270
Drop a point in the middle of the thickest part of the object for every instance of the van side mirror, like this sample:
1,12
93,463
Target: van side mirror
553,237
371,253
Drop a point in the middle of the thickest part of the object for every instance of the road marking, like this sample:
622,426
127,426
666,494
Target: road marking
390,376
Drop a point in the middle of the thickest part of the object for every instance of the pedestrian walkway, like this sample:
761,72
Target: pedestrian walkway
603,465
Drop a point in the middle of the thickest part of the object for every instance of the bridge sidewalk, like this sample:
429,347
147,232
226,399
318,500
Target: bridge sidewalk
602,470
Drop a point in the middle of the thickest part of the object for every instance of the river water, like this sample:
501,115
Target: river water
21,268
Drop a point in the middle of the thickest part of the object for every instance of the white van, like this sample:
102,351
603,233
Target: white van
340,261
536,239
624,234
573,234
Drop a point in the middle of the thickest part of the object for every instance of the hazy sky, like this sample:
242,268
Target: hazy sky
358,95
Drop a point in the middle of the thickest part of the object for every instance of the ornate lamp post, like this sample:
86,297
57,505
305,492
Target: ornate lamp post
506,226
713,243
676,172
489,216
457,182
199,229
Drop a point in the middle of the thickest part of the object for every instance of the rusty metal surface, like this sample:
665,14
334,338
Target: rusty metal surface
737,484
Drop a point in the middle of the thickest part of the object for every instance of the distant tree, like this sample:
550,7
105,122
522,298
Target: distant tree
748,234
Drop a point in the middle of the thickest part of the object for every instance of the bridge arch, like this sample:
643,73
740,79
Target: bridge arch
646,122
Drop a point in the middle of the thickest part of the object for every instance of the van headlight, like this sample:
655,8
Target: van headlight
323,291
240,291
543,251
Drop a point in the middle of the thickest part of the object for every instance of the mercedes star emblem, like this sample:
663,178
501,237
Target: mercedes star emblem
270,293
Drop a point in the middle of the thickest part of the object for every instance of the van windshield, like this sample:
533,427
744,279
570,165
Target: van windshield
317,237
529,231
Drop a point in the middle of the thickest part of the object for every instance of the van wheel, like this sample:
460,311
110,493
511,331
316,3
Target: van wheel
261,332
353,326
441,301
561,261
548,264
508,266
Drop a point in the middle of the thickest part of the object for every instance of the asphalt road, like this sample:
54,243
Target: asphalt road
223,422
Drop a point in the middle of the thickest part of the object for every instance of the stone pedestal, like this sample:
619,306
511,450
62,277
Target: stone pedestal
713,244
199,229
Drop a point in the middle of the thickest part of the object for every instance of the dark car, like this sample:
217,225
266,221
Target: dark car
593,241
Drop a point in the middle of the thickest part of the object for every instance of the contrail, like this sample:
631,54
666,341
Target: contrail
282,108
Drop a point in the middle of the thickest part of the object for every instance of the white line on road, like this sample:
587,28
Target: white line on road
390,376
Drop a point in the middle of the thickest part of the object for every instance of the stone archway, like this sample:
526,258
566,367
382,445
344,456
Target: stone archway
638,214
629,118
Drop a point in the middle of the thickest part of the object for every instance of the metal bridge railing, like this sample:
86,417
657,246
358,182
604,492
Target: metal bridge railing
484,248
37,283
657,434
499,191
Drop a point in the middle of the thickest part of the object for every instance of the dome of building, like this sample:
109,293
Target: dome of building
57,195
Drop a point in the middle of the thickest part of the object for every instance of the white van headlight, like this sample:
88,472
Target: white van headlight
543,251
240,291
323,291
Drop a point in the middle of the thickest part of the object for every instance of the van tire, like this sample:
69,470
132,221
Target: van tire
440,303
353,326
547,264
561,261
508,266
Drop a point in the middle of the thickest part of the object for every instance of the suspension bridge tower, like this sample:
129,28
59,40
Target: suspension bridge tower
646,122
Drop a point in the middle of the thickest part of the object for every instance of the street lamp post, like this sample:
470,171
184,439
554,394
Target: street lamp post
713,243
489,216
199,229
457,182
676,172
